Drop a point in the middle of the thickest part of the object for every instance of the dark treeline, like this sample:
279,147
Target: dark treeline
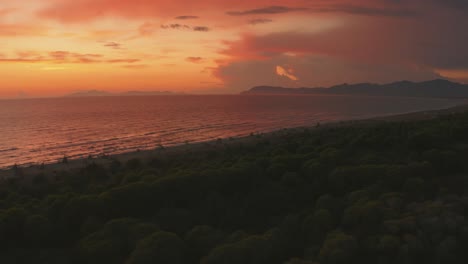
389,192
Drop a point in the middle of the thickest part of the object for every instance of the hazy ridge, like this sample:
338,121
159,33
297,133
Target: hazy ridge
435,88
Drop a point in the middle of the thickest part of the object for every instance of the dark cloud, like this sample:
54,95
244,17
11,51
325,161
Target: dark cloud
201,28
260,21
187,17
194,59
266,10
185,27
350,9
369,11
113,45
432,44
175,26
453,3
460,5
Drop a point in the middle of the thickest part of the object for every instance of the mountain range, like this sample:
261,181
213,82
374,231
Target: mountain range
436,88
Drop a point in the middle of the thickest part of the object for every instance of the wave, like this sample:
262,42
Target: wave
8,149
121,126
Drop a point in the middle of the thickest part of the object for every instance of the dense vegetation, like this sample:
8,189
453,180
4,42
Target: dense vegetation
390,192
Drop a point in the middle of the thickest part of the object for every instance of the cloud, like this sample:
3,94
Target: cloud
194,59
63,57
175,26
14,30
266,10
20,60
147,29
286,72
136,66
113,45
186,17
356,51
405,41
123,60
6,11
53,68
71,57
185,27
104,34
201,28
369,11
453,3
257,21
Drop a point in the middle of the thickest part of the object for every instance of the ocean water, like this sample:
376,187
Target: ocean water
38,131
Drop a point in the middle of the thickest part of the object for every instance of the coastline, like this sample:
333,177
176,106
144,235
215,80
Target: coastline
168,152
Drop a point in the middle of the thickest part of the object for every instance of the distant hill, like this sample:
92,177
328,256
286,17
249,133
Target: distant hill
435,88
142,93
89,93
94,93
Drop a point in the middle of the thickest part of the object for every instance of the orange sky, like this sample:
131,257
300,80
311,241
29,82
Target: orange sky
54,47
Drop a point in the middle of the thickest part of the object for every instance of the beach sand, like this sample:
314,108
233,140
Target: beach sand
26,173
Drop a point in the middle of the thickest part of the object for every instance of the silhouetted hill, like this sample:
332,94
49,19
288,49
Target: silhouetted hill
89,93
142,93
434,88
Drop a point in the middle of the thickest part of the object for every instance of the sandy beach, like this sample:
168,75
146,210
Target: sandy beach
26,173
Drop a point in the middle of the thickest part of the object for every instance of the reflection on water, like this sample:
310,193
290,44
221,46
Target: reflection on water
45,130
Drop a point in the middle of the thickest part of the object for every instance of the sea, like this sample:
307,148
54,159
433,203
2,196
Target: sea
36,131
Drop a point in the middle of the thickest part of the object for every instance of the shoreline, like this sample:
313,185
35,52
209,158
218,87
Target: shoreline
217,144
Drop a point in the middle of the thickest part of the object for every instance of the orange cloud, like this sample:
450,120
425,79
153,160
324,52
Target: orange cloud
6,11
104,34
123,60
281,71
13,30
147,28
62,57
135,66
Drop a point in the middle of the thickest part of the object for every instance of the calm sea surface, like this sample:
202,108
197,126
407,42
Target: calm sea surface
44,130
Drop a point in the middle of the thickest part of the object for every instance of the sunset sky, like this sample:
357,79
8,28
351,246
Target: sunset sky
54,47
